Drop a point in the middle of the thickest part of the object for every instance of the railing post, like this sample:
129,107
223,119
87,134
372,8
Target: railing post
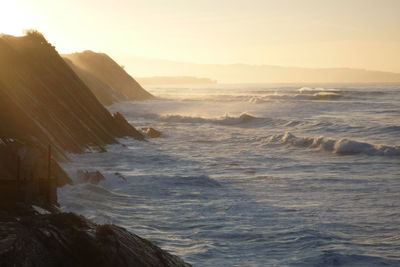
49,176
49,163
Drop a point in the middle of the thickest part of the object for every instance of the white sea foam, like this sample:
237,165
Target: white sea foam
213,180
326,95
313,90
340,146
224,120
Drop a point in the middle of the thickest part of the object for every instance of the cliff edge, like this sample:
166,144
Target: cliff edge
43,100
108,80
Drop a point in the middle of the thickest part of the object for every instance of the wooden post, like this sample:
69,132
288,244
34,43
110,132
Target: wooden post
49,176
18,183
49,163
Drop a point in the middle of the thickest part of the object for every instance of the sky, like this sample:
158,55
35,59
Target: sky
307,33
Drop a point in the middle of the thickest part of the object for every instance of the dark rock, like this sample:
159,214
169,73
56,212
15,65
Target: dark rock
151,132
93,177
125,128
119,175
65,239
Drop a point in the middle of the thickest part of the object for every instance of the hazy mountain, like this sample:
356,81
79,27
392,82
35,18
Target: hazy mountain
174,80
243,73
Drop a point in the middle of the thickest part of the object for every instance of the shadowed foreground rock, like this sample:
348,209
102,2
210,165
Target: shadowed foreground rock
28,238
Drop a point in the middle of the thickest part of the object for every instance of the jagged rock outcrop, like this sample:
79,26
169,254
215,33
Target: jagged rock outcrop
42,99
32,236
93,177
108,80
151,132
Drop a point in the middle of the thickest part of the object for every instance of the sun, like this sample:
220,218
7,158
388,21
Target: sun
13,19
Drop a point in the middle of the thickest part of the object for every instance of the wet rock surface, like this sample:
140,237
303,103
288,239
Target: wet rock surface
32,238
93,177
151,132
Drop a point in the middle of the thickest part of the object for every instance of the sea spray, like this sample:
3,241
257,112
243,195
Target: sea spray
338,146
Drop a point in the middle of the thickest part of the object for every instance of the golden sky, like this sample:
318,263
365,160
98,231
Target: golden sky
305,33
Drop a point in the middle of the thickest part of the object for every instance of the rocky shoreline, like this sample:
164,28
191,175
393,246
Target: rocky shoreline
48,111
35,236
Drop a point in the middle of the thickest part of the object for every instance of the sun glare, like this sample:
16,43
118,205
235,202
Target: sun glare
13,21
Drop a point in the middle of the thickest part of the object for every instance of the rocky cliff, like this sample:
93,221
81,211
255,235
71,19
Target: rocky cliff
108,80
45,106
43,100
33,236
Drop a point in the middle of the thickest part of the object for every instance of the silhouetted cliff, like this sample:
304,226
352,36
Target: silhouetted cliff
108,80
43,100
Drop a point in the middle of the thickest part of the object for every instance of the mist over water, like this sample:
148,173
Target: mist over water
256,175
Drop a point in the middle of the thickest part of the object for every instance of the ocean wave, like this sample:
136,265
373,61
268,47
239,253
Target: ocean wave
354,260
352,93
165,181
257,100
283,94
391,128
202,180
323,95
340,146
326,96
369,93
304,93
223,120
318,89
267,96
320,93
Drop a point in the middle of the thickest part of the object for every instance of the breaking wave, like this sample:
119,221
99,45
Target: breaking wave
340,146
285,94
301,94
320,93
326,96
314,90
223,120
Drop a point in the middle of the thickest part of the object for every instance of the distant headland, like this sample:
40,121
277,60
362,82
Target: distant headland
245,73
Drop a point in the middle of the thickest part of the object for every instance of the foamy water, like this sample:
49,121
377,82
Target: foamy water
256,175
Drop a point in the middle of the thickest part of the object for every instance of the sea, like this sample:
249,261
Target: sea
255,174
